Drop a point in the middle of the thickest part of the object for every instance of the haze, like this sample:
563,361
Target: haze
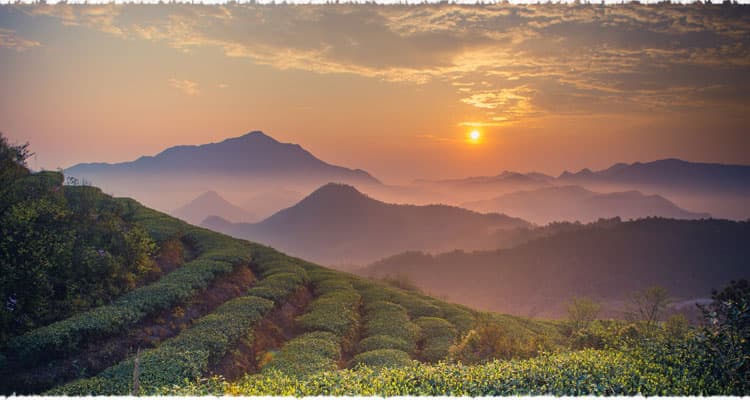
393,90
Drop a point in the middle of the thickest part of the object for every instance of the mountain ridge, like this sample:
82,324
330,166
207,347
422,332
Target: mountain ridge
337,223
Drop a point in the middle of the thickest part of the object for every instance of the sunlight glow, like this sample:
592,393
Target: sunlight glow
474,136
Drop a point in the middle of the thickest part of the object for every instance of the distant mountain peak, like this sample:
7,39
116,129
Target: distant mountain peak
337,191
255,135
254,154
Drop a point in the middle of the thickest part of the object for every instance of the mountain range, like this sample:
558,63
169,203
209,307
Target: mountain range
606,261
575,203
670,172
242,166
337,224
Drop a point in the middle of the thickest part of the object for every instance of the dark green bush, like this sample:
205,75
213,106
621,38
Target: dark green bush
307,354
186,356
378,342
390,358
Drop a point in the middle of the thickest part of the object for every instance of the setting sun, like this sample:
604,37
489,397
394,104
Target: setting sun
474,136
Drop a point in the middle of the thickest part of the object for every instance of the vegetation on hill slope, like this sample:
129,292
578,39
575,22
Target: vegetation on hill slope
606,260
303,329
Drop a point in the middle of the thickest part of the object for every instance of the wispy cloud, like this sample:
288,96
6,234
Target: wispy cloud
511,62
190,88
9,39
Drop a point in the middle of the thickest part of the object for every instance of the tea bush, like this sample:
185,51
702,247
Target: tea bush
186,356
307,354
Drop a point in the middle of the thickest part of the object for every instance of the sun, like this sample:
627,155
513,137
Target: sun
474,136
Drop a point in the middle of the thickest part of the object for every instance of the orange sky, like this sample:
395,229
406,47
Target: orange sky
392,90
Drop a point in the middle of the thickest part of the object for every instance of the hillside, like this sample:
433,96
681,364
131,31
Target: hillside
211,203
575,203
231,307
241,166
205,313
337,224
606,262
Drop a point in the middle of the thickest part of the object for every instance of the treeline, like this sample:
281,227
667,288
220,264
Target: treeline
63,249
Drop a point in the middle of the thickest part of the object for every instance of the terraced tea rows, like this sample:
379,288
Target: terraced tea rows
338,321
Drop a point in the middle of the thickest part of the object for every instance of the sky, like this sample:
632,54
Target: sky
394,90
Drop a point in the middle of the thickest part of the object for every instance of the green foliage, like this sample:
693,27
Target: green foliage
186,356
307,354
278,283
463,318
334,310
582,312
65,336
388,319
437,336
378,342
726,337
416,305
676,326
64,250
382,358
492,340
587,372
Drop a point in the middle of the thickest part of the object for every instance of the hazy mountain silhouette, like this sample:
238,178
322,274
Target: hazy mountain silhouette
474,188
265,204
720,189
338,224
254,162
253,153
669,172
211,203
606,261
575,203
505,178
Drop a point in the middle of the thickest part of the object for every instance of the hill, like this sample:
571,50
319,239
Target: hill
670,172
337,224
575,203
218,315
602,261
211,203
245,164
211,305
264,204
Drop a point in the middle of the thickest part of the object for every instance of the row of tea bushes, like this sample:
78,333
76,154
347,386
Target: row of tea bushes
587,372
330,324
186,356
190,354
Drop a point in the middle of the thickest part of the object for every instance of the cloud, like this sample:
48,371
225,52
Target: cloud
190,88
512,62
9,39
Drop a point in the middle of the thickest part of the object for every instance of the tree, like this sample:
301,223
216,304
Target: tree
648,306
726,336
12,166
582,312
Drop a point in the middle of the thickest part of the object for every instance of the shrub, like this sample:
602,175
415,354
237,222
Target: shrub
382,358
378,342
394,324
463,318
66,336
186,356
437,335
335,312
307,354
